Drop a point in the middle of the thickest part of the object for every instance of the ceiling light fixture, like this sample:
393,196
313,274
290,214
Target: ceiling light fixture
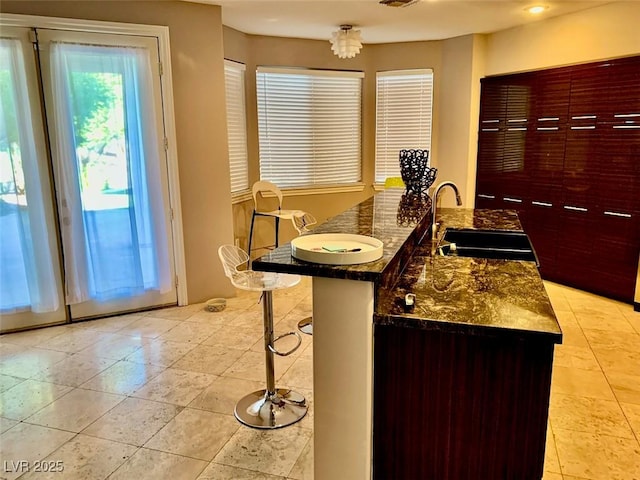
346,42
536,9
397,3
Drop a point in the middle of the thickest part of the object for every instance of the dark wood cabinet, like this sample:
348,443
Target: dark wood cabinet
562,147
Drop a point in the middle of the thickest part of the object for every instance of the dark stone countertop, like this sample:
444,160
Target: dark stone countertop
470,295
457,294
399,220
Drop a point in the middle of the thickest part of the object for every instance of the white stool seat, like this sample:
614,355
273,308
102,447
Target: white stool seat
272,407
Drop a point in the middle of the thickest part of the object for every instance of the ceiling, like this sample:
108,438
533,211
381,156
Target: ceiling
424,20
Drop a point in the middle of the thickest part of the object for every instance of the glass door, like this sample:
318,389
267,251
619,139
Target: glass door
30,277
104,115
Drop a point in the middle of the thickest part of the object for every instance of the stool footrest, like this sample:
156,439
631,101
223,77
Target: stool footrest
285,354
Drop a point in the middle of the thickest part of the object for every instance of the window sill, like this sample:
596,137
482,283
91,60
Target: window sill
317,190
239,197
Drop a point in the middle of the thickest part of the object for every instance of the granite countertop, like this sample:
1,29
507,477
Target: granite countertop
470,295
457,294
399,220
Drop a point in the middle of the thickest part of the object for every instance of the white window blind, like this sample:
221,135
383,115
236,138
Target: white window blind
236,125
309,126
403,117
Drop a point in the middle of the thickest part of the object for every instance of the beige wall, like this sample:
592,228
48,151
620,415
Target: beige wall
598,33
198,86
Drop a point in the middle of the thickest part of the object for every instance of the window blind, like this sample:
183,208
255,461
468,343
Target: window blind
309,125
236,125
403,117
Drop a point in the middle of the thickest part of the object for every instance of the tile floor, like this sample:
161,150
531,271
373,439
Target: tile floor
152,395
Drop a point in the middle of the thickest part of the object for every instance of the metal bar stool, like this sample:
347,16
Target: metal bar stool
301,222
258,190
272,407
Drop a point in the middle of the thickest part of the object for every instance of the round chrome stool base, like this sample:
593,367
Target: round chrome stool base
263,410
306,325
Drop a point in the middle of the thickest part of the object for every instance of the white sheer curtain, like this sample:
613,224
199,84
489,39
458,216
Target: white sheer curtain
27,279
110,251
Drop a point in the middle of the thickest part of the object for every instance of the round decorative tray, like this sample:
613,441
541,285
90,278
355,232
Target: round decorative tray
336,248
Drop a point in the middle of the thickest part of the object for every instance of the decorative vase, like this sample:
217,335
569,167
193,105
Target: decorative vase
416,173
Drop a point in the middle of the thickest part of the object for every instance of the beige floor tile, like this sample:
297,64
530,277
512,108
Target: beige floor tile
176,313
633,318
552,476
190,332
25,399
74,370
178,387
274,452
625,387
109,324
209,359
116,346
123,377
215,471
86,458
29,443
158,465
195,433
300,374
594,415
575,357
6,424
632,412
133,421
75,410
566,318
7,382
225,317
241,338
30,361
31,338
574,336
580,383
9,350
612,340
252,319
71,340
551,462
251,366
148,326
160,352
303,468
597,457
223,394
619,360
603,320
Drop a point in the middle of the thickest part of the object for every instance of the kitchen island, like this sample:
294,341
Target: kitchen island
386,402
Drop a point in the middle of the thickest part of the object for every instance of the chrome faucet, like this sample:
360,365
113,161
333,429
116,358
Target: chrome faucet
434,224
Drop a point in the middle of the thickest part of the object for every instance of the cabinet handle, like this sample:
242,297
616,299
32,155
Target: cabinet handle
627,126
490,197
549,119
626,115
490,129
547,128
575,209
517,120
589,127
518,129
490,121
617,214
583,117
513,200
541,204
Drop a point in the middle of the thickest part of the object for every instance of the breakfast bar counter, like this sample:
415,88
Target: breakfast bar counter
439,390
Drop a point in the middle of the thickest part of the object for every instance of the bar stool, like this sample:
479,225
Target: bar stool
258,190
301,222
269,408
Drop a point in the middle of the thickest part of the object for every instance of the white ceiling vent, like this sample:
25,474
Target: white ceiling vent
398,3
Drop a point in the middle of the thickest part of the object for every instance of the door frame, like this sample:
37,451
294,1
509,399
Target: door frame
166,85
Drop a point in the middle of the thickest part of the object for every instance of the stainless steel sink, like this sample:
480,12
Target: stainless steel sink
500,244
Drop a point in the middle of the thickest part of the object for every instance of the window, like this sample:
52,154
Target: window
236,125
309,125
403,117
